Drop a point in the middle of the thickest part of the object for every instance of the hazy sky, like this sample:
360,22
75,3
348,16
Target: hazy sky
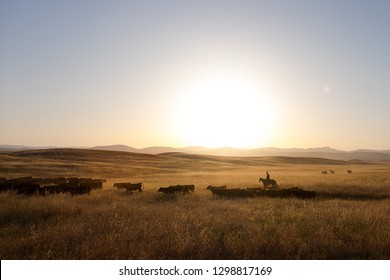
179,73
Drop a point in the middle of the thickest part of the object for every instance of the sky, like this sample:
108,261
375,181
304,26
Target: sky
210,73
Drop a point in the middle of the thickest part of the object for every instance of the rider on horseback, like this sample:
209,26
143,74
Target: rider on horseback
268,182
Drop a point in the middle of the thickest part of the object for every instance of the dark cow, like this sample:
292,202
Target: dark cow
24,185
183,188
78,190
74,181
307,194
215,187
211,188
121,185
135,187
171,190
93,183
349,171
129,186
232,193
189,188
74,186
54,189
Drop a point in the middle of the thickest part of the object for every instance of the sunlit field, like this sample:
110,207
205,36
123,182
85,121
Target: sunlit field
349,219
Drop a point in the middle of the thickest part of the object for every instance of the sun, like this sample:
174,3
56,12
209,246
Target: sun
225,111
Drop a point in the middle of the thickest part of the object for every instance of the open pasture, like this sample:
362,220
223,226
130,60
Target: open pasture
349,219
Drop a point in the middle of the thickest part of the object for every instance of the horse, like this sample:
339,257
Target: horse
267,182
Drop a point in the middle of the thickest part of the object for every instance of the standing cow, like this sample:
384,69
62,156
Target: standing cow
129,186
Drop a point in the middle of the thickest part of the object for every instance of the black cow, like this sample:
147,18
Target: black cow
135,187
129,186
211,188
215,187
232,193
183,188
78,190
171,190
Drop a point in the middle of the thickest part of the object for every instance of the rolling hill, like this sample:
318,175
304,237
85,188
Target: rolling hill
324,152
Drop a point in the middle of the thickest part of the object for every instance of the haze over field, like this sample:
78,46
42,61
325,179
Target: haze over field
244,74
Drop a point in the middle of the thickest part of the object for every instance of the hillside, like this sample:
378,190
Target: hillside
109,164
324,152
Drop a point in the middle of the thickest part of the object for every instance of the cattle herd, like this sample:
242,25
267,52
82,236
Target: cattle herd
80,186
171,190
223,191
43,186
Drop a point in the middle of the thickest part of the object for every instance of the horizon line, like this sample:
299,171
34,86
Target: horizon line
21,146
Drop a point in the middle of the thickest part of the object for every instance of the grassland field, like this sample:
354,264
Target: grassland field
349,219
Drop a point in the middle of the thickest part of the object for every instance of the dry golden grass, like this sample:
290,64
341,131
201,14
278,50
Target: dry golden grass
350,219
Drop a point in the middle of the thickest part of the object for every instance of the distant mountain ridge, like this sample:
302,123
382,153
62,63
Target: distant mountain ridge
322,152
4,148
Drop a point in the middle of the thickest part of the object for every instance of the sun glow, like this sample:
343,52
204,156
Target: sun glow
225,111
